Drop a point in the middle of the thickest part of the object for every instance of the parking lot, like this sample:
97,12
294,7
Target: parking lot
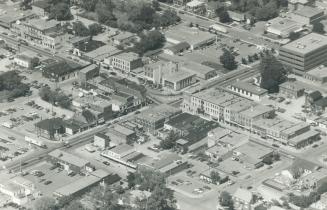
47,180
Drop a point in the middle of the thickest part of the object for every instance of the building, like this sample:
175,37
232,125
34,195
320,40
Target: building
235,16
23,61
9,15
177,48
88,73
193,36
288,133
283,27
82,185
305,53
50,128
41,8
101,55
298,4
319,106
122,38
18,189
248,90
318,74
180,2
69,162
201,71
178,80
291,89
307,15
44,33
101,141
155,118
61,70
120,134
242,199
196,6
252,154
155,72
126,61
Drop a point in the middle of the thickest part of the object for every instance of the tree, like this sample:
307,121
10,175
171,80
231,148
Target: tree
272,73
35,62
294,35
214,175
256,56
88,5
103,198
131,179
250,59
228,60
168,17
26,4
75,205
224,16
45,203
80,29
95,29
244,61
318,28
149,41
60,11
170,141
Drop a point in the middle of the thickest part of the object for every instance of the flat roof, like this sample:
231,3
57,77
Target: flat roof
195,3
282,24
103,52
276,124
306,44
320,71
77,186
69,158
158,112
178,76
10,14
254,150
196,68
122,148
183,121
296,86
256,110
249,87
295,128
88,68
308,11
188,34
303,137
123,130
42,24
128,56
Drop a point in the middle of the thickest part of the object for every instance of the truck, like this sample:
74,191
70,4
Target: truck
36,142
218,28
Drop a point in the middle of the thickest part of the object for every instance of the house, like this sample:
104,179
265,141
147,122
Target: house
248,90
242,199
291,89
177,48
50,128
69,162
61,70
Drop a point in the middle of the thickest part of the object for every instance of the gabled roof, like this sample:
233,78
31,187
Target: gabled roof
315,95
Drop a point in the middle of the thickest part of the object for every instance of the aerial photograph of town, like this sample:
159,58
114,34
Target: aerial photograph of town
163,104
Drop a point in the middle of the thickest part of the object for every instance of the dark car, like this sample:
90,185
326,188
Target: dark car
106,163
47,182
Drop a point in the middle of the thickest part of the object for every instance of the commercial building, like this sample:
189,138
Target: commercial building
225,106
283,27
101,141
318,74
9,15
193,36
248,90
196,6
50,128
305,53
23,61
126,61
155,72
88,73
101,54
236,16
121,38
154,119
69,162
201,71
44,33
307,15
242,199
178,80
41,8
18,189
120,134
177,48
288,133
59,71
298,4
291,89
253,154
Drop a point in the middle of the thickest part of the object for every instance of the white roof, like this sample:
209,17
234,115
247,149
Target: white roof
194,3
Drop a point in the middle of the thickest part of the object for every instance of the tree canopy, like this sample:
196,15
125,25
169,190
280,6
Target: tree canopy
272,73
151,40
228,60
60,10
55,97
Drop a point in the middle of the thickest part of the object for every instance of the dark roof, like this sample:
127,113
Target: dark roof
49,124
42,4
179,47
302,164
103,136
60,68
321,102
89,45
315,95
183,121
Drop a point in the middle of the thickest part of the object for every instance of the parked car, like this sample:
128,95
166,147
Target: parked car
47,182
106,163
